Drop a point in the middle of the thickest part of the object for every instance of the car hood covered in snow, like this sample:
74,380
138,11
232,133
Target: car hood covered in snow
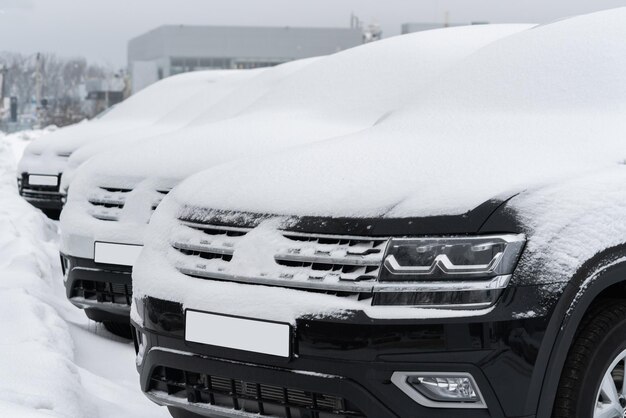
539,113
537,107
235,94
49,154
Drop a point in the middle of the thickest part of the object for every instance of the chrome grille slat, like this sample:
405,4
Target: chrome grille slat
108,202
328,259
310,261
294,282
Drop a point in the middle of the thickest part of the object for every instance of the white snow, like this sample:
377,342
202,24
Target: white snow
539,112
214,98
535,107
334,95
53,361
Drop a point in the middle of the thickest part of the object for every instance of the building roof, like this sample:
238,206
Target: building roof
241,42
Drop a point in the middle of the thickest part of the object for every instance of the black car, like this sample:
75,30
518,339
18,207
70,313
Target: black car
464,258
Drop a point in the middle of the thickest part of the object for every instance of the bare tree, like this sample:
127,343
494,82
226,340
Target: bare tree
62,85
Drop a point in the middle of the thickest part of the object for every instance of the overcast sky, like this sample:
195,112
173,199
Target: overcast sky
100,29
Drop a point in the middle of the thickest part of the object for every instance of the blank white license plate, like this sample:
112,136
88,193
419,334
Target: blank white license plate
120,254
238,333
41,180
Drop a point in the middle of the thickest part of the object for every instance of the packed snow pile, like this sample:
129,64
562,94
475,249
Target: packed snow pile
21,140
53,363
36,360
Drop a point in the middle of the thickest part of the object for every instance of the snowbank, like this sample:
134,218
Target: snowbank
50,354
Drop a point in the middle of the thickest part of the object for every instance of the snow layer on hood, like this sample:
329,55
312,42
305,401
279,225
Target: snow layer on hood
49,154
538,106
52,363
19,141
229,97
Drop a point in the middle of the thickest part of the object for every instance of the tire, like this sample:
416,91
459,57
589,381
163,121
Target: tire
120,329
53,214
599,346
181,413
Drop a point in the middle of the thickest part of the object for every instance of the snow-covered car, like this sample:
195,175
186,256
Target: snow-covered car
113,195
157,109
465,257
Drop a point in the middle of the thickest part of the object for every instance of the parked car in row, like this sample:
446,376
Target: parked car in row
463,257
163,107
114,195
257,83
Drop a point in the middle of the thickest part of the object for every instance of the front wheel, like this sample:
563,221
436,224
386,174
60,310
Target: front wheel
592,382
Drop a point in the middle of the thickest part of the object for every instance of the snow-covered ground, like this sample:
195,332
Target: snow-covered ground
54,362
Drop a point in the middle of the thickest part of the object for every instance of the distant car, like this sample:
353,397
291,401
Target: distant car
465,257
113,196
154,110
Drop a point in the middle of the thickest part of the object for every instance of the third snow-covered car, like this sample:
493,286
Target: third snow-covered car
40,171
465,257
113,195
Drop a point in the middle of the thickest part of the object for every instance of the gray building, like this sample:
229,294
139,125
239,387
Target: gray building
174,49
418,27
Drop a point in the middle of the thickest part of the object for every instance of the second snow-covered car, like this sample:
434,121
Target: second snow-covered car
464,258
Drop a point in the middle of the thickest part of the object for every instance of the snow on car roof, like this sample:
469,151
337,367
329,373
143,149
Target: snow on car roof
541,105
336,95
141,109
204,107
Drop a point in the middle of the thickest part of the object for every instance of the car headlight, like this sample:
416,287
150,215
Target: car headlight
468,272
446,258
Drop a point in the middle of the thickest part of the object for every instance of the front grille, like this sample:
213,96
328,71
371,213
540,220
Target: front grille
103,292
300,260
107,203
38,192
250,397
51,196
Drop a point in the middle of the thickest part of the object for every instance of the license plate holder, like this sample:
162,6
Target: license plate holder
43,180
247,334
118,254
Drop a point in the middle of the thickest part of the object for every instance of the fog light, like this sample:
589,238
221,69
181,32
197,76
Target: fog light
440,390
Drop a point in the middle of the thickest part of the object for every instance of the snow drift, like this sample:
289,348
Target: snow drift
52,362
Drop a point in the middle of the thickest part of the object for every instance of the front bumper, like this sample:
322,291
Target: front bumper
346,364
41,197
104,291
